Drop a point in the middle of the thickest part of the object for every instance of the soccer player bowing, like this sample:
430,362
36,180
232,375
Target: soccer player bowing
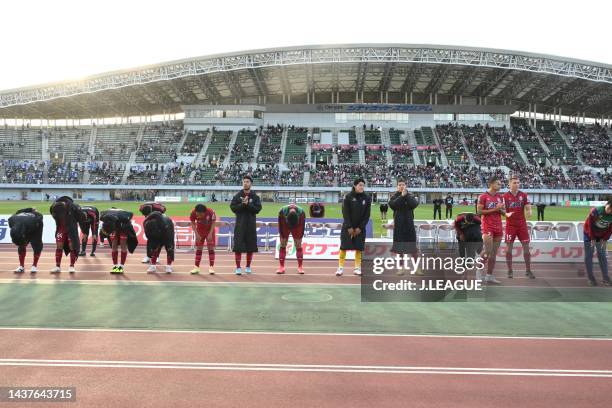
159,230
469,237
66,214
117,226
597,232
246,205
291,220
517,203
27,228
355,214
404,234
90,220
203,225
146,209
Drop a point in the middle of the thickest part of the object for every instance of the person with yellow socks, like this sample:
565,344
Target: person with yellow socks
356,215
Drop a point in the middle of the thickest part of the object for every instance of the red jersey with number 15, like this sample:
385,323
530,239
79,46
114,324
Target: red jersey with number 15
515,204
489,201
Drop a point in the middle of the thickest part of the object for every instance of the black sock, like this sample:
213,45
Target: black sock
94,244
83,246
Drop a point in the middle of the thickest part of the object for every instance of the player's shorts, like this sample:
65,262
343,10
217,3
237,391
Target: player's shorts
118,236
296,232
520,232
61,235
496,231
204,235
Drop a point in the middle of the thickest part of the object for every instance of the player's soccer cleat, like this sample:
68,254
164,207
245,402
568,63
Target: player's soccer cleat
92,254
592,282
238,271
82,253
56,270
510,274
248,270
19,269
152,269
146,259
300,270
71,269
211,270
606,282
339,271
357,271
114,270
280,270
195,271
530,275
33,269
492,279
419,272
169,269
120,269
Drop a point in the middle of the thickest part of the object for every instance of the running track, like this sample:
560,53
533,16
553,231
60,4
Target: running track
228,369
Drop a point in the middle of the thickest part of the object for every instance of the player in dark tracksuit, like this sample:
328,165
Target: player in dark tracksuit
117,226
27,228
437,203
67,215
469,235
159,230
449,201
146,209
384,207
90,221
291,221
356,208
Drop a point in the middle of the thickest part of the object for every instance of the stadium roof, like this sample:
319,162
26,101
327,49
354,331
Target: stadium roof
395,70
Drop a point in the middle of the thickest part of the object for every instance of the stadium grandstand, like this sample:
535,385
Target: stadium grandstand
305,121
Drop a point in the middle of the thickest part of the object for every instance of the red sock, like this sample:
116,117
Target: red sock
22,254
211,255
198,257
527,257
249,259
169,258
73,257
58,256
36,258
115,256
509,259
300,256
282,254
237,256
123,257
154,256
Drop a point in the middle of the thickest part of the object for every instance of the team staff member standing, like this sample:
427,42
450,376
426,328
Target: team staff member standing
403,204
449,201
597,232
246,205
437,203
541,206
356,214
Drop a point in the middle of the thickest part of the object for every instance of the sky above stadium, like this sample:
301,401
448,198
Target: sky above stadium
47,41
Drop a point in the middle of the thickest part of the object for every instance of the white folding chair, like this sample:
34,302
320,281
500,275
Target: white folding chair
426,233
184,237
562,231
229,234
542,231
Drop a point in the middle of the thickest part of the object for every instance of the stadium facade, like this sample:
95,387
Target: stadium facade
379,109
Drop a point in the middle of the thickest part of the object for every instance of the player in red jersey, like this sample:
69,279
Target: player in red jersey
491,207
203,225
517,203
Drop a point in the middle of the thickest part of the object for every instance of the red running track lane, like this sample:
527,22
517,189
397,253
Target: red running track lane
164,387
264,267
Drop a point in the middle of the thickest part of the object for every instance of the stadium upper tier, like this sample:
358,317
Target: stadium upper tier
367,73
445,156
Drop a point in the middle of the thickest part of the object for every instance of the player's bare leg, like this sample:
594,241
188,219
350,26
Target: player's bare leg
300,255
509,249
527,258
